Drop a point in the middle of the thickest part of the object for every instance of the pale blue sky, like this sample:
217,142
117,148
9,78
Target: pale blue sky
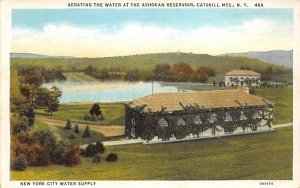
114,32
179,18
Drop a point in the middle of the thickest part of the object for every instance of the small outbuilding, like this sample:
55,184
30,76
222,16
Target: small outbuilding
242,77
181,115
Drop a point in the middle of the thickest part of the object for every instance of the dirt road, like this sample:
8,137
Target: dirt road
111,130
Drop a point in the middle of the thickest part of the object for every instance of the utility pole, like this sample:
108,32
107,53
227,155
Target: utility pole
152,81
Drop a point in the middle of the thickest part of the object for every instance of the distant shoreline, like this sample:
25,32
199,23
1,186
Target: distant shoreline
91,102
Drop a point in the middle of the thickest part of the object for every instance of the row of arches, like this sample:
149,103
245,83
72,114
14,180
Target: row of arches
164,125
162,122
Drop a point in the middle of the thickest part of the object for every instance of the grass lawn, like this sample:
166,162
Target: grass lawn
283,98
113,113
270,158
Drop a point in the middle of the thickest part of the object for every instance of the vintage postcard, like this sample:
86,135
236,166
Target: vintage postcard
149,93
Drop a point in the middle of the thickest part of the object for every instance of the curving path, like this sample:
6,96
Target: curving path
107,130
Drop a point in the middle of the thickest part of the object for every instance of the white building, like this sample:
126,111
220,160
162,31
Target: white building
242,77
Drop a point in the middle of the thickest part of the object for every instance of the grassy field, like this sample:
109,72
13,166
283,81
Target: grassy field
283,97
258,156
113,113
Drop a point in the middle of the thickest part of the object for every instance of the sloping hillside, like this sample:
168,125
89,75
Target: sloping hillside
279,57
146,62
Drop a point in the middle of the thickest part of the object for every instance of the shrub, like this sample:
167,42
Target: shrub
36,152
18,124
24,138
42,158
72,134
90,150
76,128
112,157
100,147
87,133
97,158
46,139
58,154
68,125
71,156
19,164
35,155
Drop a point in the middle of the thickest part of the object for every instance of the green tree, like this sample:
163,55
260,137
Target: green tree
31,116
42,96
18,123
53,101
133,75
33,77
72,134
162,71
48,98
95,110
100,147
76,128
18,103
68,125
87,133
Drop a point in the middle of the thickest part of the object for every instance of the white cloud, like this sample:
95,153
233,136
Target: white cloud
64,39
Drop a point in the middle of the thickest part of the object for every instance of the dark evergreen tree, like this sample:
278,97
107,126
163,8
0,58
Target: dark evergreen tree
72,134
90,150
87,133
30,116
58,155
95,110
68,125
100,147
76,128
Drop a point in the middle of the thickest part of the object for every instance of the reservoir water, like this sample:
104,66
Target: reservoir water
112,91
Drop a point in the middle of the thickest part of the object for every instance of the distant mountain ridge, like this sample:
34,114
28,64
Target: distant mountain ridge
280,57
32,55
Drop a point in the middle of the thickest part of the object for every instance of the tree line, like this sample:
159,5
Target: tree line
30,86
182,72
178,72
267,73
40,73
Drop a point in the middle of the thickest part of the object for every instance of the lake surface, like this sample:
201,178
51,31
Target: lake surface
113,91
